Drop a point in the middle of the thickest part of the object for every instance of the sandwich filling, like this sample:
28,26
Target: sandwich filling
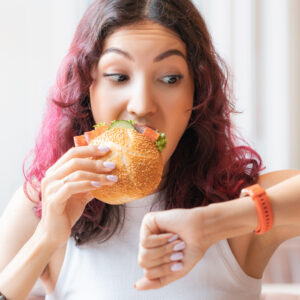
155,136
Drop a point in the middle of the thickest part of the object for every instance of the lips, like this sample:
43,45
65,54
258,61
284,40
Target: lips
147,126
143,125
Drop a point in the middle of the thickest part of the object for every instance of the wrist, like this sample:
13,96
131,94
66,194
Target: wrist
44,239
227,219
263,207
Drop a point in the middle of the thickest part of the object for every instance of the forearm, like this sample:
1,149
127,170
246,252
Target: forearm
228,219
285,200
239,216
19,276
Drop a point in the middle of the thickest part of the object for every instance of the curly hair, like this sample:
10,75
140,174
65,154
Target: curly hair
211,162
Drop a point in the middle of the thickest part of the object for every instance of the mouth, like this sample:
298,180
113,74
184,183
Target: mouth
146,125
140,127
143,126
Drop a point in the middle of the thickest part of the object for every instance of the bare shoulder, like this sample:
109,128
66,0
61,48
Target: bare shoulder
18,223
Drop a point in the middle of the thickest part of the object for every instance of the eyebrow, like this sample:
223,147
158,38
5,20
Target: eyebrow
160,57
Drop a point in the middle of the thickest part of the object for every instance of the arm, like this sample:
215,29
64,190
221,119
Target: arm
285,199
65,192
207,225
19,224
238,214
20,275
254,251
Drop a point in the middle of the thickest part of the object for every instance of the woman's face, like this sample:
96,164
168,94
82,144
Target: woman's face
143,75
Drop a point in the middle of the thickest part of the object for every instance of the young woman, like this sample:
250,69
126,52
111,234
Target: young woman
153,62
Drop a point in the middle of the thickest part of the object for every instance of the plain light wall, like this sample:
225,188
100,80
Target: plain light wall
34,37
260,41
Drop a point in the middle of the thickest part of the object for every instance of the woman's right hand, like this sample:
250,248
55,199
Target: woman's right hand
66,190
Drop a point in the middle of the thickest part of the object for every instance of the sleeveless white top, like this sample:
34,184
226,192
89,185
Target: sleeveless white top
108,271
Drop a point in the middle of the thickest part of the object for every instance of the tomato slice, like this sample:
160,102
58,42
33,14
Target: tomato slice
80,141
87,137
90,135
151,134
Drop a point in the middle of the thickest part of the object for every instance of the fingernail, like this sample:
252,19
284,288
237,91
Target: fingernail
179,246
173,238
176,256
177,267
103,149
95,184
109,164
112,178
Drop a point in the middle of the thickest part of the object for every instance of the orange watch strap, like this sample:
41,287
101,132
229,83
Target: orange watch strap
263,207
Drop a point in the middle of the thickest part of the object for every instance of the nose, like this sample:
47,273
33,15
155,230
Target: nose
142,100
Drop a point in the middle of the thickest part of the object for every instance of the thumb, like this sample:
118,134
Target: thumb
88,197
146,284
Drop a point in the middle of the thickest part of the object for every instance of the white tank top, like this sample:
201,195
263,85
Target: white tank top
108,271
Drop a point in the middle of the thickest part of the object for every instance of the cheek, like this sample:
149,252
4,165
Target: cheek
104,103
179,100
175,130
177,113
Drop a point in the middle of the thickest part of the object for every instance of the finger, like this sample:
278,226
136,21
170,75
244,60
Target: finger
86,197
95,180
149,226
147,284
80,164
155,253
79,152
66,191
156,240
174,256
75,206
155,223
85,175
163,270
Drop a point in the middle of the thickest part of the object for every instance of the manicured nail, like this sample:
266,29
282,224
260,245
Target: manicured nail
95,184
179,246
109,164
176,267
112,178
173,238
103,149
176,256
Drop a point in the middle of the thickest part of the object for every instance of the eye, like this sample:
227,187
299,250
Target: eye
172,79
117,77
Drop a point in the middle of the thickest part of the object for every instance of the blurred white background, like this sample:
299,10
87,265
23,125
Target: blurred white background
259,39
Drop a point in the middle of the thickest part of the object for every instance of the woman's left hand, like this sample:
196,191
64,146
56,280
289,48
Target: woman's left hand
162,263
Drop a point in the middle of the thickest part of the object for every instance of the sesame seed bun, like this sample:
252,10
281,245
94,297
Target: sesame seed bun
139,165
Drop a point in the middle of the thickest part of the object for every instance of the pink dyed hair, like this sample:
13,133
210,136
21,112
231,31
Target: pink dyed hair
207,165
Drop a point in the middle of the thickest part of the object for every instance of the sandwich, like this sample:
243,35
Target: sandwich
136,151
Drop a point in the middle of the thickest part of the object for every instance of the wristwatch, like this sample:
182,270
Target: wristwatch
263,207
